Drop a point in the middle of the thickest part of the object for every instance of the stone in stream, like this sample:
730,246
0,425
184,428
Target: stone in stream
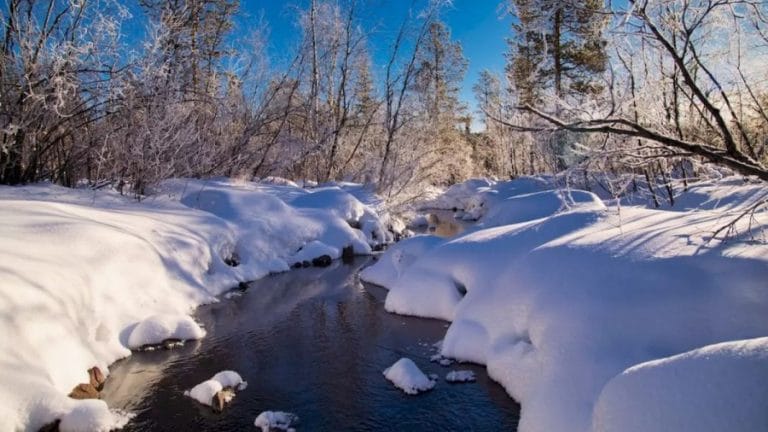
322,261
84,391
50,427
348,254
222,398
96,378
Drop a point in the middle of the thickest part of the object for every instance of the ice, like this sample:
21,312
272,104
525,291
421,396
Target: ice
281,420
406,376
158,328
460,376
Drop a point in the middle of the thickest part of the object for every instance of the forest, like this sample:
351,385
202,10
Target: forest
656,89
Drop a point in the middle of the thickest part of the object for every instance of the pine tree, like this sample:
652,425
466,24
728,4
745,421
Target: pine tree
557,45
557,48
441,70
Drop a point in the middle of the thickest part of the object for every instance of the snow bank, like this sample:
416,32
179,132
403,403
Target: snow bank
92,416
715,388
158,328
86,275
398,257
270,420
537,205
558,305
406,376
206,390
473,197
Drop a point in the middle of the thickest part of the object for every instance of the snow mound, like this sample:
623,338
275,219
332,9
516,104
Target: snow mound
158,328
558,305
269,420
460,376
406,376
398,258
80,268
206,390
314,249
715,388
93,415
537,205
342,203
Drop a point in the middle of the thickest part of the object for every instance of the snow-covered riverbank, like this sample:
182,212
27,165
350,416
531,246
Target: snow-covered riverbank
560,295
81,271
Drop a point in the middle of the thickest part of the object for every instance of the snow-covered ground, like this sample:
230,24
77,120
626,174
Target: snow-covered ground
577,307
86,275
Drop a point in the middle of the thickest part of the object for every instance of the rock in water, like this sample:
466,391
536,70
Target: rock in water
406,376
348,254
322,261
96,378
270,420
84,391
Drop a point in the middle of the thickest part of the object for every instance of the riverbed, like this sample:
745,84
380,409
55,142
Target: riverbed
313,342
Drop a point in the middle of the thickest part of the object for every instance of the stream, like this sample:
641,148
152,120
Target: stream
313,342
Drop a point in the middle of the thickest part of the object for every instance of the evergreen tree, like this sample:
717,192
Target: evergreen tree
438,78
557,45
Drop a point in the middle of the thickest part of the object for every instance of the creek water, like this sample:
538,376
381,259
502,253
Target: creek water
313,342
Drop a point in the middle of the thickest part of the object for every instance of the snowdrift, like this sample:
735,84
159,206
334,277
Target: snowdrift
85,275
558,294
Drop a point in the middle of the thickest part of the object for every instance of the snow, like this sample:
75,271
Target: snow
715,388
92,416
269,420
406,376
460,376
397,259
557,294
206,390
157,328
314,249
86,275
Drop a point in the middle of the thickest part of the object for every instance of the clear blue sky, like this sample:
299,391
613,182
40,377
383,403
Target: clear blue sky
476,24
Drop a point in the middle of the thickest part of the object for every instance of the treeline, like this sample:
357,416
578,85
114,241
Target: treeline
192,98
651,89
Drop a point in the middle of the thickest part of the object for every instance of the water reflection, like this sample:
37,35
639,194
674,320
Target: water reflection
313,342
441,223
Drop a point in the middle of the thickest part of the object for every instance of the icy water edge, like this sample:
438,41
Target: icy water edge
313,342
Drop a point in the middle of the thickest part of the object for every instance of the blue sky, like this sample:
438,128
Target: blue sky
476,24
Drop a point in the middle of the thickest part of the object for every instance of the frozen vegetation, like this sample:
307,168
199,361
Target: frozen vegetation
600,317
86,276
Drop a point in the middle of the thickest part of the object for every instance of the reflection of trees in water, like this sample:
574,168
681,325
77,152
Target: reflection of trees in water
443,226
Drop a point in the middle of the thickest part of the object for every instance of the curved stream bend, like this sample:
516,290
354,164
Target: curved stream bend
313,342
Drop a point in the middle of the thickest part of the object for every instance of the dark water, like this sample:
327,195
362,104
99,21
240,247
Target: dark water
313,342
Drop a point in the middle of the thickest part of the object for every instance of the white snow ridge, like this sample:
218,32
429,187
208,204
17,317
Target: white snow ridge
406,376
